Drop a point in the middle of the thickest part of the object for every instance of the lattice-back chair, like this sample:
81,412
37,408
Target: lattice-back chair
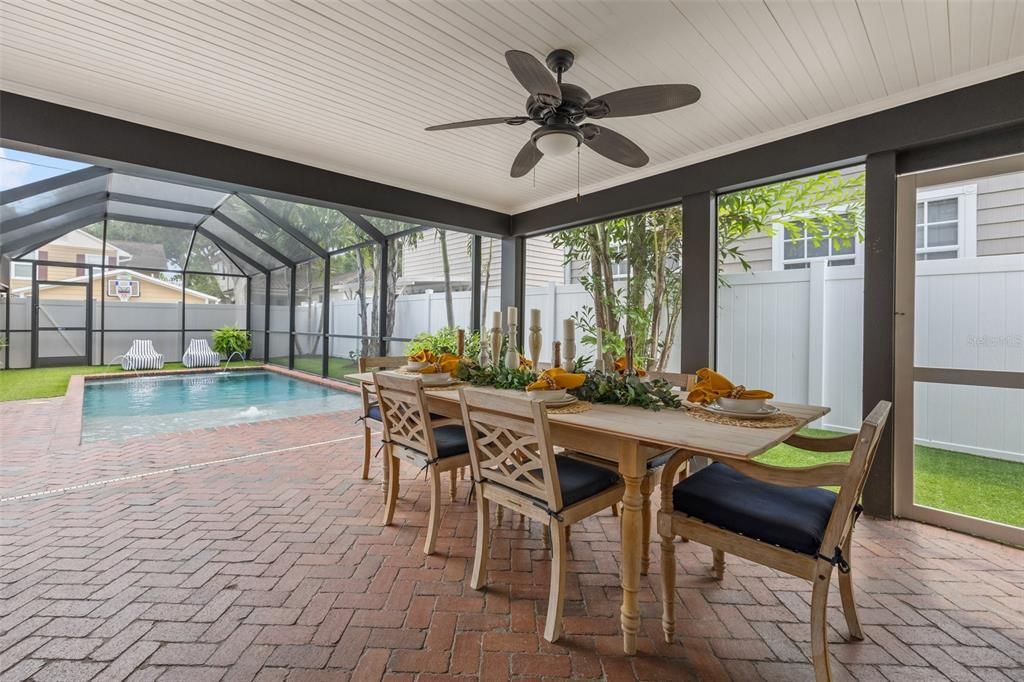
514,465
776,517
371,411
412,435
685,382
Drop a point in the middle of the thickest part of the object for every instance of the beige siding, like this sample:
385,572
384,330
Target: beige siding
1001,215
423,263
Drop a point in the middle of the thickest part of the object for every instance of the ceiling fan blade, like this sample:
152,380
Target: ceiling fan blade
511,120
614,146
526,159
534,76
645,99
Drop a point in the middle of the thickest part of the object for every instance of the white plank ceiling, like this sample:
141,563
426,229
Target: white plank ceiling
349,86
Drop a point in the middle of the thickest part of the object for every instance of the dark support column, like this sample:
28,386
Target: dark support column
291,318
248,314
879,380
382,299
103,296
7,330
476,281
513,277
325,316
35,316
266,320
699,265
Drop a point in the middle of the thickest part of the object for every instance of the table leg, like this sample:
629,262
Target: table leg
632,530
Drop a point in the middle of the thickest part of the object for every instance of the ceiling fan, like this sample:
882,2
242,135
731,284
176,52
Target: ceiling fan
559,110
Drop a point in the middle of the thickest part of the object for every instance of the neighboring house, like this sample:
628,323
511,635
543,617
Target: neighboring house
148,289
85,249
982,218
422,263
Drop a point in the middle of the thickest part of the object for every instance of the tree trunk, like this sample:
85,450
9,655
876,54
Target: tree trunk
449,306
486,277
361,302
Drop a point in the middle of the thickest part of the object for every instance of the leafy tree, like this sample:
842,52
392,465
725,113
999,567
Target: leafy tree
647,302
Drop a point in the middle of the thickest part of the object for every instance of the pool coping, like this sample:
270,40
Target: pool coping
68,433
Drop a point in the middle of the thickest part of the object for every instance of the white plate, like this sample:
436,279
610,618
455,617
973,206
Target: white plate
768,411
567,400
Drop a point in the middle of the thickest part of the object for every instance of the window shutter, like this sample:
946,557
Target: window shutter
79,258
42,270
111,260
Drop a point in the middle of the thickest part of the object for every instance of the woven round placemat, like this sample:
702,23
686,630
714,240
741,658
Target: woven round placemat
578,407
776,421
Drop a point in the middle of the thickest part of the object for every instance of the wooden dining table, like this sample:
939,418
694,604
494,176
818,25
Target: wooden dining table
629,437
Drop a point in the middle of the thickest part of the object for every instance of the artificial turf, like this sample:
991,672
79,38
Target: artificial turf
953,481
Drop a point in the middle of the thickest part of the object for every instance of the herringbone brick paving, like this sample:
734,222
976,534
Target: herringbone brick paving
276,568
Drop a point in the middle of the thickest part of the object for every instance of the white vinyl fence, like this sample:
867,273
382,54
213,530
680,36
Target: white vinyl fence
799,333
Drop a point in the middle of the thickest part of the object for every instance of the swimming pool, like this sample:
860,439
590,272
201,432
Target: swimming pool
140,406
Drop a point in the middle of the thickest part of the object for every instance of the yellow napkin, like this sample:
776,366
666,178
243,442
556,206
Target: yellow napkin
620,367
556,378
423,356
446,363
711,386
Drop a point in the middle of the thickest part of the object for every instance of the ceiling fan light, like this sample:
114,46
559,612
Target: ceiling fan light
557,143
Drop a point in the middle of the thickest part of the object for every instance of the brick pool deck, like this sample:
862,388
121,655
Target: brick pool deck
255,552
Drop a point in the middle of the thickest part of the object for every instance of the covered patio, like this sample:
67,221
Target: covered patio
303,380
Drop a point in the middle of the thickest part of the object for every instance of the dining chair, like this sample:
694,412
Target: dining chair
371,410
685,382
777,517
412,435
514,465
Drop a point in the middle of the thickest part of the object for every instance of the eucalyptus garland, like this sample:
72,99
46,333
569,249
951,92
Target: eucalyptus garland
615,389
599,387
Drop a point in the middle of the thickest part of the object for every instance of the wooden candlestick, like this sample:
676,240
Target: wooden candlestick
569,341
535,337
511,351
556,354
460,342
496,343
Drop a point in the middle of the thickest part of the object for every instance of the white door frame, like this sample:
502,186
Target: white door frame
907,373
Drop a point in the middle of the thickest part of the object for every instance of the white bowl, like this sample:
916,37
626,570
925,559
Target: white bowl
436,379
548,396
412,366
747,405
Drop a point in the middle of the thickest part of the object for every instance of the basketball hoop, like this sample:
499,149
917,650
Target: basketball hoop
124,289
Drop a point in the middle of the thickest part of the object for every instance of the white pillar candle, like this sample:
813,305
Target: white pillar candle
568,329
496,320
512,316
534,317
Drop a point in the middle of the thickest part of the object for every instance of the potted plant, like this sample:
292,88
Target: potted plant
229,341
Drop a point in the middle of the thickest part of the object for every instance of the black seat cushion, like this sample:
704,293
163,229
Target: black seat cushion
662,459
374,413
793,518
580,480
451,440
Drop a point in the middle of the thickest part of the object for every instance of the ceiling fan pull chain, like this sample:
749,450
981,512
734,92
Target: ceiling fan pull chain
578,183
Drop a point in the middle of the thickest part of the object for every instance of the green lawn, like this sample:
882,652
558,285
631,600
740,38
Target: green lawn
338,368
953,481
49,382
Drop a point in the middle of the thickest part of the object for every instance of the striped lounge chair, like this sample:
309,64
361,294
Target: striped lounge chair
199,354
142,355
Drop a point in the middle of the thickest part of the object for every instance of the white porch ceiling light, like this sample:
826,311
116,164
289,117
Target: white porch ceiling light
557,140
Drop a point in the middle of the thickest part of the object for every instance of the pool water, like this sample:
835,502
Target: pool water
141,406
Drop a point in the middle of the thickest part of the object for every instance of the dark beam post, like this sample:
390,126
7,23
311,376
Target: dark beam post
476,281
325,318
103,296
879,378
513,277
266,320
248,314
291,317
382,298
699,266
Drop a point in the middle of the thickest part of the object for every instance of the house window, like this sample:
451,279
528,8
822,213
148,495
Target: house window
797,250
21,270
946,223
93,259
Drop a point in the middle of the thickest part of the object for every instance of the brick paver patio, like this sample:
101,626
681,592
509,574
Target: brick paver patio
274,567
